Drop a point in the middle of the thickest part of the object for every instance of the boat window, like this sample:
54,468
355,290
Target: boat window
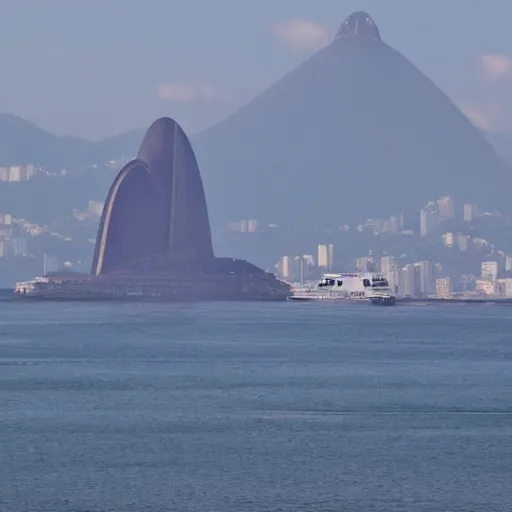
366,283
331,282
340,283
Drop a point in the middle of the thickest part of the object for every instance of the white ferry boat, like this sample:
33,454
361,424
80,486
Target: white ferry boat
370,287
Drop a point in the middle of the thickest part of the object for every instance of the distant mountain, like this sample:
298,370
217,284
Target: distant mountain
45,199
24,142
122,145
502,144
354,131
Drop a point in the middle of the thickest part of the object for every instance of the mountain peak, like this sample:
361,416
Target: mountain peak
359,24
358,116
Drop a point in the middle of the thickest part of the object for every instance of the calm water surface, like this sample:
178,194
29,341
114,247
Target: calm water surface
255,407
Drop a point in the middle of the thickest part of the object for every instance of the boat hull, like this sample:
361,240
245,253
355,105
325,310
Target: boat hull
383,301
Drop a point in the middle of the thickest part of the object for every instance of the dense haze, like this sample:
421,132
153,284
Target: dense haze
181,181
354,131
337,139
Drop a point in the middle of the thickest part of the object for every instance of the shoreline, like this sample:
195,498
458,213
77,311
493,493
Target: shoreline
8,294
457,300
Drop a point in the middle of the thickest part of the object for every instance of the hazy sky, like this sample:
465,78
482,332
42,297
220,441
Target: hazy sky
99,67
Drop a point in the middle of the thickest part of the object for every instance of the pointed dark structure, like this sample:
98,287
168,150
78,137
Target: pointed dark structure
154,240
156,205
359,24
355,131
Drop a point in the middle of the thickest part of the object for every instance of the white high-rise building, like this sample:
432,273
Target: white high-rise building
326,256
362,264
446,207
18,245
401,222
444,287
252,225
448,239
424,222
489,270
5,219
408,281
285,267
426,278
395,281
505,287
302,267
393,225
51,263
485,286
469,212
30,170
15,173
388,268
387,264
462,241
508,263
428,221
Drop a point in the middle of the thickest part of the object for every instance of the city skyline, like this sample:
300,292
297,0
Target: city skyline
464,233
263,164
482,269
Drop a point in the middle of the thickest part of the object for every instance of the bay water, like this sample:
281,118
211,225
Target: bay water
255,407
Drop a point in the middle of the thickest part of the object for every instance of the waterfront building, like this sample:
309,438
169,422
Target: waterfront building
463,242
15,173
154,240
326,256
444,287
156,205
387,264
504,287
407,285
285,267
448,239
469,212
425,276
489,270
485,286
446,207
428,221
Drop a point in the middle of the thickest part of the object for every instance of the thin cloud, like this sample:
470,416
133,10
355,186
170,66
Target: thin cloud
301,35
495,66
490,106
484,117
189,94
